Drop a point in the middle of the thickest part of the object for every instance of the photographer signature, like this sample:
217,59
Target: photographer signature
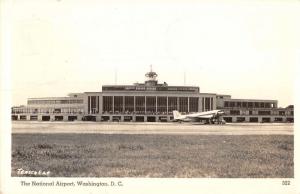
21,171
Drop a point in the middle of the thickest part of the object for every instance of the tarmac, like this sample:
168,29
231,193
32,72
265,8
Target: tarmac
32,127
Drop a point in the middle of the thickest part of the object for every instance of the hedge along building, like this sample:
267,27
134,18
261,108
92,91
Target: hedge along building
148,102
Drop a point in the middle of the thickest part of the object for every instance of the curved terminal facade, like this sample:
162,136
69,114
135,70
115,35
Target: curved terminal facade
148,102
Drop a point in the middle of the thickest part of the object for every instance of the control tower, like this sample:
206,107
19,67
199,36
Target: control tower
151,78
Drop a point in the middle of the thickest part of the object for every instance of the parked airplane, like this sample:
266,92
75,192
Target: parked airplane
209,117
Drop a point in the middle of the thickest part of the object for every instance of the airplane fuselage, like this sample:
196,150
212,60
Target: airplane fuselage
209,117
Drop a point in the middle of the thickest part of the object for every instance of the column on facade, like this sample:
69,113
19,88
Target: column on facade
204,107
199,104
98,107
272,119
65,118
90,105
247,118
259,119
167,105
113,104
188,104
101,104
79,117
134,104
178,104
156,104
98,118
234,119
145,105
123,109
69,106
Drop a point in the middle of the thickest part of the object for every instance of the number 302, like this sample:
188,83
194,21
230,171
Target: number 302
286,183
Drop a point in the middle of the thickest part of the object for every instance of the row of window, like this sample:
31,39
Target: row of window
256,119
48,111
249,104
126,112
147,88
150,103
75,101
261,112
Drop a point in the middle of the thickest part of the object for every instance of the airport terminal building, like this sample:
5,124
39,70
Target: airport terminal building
148,102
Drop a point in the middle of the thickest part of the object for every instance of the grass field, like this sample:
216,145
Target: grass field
145,155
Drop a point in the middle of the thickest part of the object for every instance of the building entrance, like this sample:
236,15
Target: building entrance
228,119
266,120
45,118
72,118
151,119
127,118
58,118
139,118
89,118
253,120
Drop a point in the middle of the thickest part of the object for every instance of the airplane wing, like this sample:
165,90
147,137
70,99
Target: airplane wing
201,116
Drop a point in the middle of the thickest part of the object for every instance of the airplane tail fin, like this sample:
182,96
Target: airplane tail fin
176,114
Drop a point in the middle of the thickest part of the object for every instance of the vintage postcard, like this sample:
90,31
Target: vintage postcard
149,96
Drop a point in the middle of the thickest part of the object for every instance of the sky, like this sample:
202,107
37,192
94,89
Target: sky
245,49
